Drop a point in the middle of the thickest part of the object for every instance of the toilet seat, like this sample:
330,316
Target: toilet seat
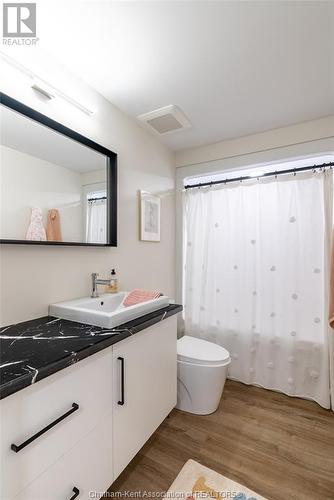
198,351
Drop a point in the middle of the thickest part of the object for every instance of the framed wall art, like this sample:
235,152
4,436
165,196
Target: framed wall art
149,216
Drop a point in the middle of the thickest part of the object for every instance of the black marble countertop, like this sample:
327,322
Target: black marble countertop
33,350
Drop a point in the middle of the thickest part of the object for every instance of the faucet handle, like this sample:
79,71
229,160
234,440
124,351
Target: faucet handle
95,275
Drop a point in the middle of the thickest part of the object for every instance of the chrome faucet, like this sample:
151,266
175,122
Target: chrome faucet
95,282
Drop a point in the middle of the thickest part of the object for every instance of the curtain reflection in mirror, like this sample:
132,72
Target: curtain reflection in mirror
96,218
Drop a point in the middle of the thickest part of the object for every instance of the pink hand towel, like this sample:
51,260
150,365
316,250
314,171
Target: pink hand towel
138,296
53,228
331,287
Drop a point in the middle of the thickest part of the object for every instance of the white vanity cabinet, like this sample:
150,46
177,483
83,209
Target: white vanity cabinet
145,381
88,384
83,472
97,438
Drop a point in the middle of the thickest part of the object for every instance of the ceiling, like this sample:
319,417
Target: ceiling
235,68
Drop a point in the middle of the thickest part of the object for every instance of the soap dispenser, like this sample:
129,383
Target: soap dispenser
113,287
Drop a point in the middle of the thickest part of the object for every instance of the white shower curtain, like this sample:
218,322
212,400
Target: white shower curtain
96,225
255,278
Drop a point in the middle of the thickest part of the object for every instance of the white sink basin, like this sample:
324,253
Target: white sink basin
106,311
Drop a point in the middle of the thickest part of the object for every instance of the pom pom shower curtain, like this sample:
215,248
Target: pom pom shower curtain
96,225
256,257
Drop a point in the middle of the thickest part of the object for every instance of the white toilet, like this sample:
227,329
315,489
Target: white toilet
201,375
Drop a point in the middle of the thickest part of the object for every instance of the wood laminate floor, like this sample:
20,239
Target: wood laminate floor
281,447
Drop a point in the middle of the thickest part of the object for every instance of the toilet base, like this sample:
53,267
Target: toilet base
200,387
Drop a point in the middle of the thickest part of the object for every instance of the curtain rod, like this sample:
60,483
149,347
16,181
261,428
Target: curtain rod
266,174
97,199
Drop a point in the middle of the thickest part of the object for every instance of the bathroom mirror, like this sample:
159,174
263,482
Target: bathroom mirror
57,186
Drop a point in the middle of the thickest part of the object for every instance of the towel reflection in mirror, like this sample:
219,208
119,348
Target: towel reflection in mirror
36,230
53,228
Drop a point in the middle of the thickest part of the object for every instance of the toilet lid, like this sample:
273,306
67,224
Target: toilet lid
195,350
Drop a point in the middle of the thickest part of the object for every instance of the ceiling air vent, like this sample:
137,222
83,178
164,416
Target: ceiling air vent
165,120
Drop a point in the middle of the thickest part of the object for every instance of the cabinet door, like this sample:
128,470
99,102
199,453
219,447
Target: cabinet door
84,472
25,413
145,368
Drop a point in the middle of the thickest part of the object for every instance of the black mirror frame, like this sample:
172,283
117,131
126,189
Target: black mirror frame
15,105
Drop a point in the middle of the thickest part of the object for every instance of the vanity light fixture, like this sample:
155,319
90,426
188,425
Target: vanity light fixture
43,89
42,86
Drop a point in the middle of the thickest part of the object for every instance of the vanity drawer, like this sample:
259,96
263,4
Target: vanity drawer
85,468
25,413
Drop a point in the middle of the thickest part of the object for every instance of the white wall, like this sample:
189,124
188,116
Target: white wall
32,276
301,133
28,182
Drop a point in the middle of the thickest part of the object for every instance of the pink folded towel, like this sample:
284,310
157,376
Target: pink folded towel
137,296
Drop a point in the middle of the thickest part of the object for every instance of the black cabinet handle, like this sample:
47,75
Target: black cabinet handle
76,493
121,401
19,447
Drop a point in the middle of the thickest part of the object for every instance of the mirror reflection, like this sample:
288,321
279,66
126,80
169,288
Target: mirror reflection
53,188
